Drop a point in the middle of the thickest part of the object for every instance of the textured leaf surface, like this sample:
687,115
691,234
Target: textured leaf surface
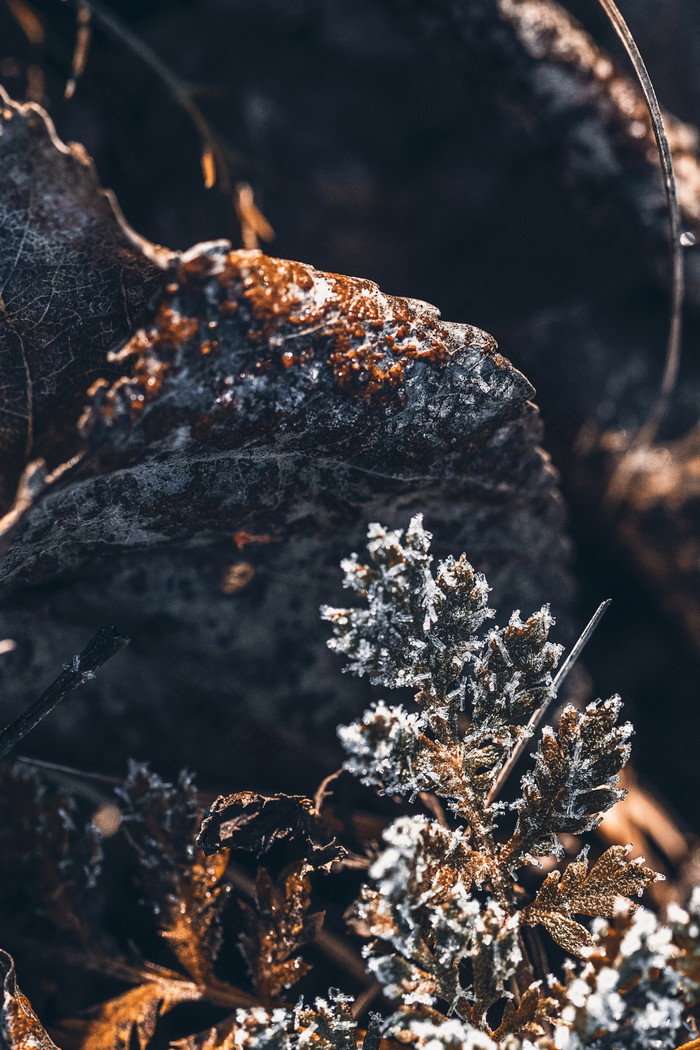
579,891
73,280
20,1028
271,409
252,822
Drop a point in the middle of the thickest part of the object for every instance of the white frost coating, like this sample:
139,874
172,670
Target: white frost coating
451,1034
633,1004
380,749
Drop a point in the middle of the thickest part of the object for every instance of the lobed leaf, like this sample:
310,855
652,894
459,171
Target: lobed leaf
580,891
574,781
278,926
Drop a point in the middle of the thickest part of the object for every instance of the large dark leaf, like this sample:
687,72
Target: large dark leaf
267,412
73,277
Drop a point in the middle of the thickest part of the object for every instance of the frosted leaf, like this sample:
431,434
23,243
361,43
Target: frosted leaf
631,1003
427,924
450,1034
384,750
327,1024
574,780
512,678
417,629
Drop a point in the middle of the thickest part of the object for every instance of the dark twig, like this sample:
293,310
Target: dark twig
105,644
539,714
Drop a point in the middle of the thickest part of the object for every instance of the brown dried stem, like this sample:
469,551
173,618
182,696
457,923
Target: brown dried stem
217,156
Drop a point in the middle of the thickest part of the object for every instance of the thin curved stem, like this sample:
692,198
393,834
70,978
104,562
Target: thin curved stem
649,429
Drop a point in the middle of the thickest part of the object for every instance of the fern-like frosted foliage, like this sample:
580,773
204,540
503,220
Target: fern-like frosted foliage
443,908
420,630
427,924
417,628
512,676
628,997
328,1024
574,780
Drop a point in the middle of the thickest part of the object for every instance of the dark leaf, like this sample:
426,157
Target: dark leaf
252,822
279,925
73,278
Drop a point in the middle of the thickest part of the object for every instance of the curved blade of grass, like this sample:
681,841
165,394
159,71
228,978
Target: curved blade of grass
649,430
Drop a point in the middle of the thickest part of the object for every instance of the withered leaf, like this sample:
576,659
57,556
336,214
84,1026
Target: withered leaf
253,822
128,1020
264,397
73,279
183,885
20,1028
579,891
278,926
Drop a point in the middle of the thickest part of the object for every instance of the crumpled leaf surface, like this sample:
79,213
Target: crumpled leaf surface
266,413
73,280
20,1028
253,822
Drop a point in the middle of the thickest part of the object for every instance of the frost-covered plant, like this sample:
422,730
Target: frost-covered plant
445,910
448,928
628,996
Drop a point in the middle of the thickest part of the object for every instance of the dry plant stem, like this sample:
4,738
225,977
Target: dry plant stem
539,714
365,999
182,92
83,36
102,647
648,431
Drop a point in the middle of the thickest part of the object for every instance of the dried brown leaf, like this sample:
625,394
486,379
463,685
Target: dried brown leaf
580,891
20,1028
128,1020
253,822
278,926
